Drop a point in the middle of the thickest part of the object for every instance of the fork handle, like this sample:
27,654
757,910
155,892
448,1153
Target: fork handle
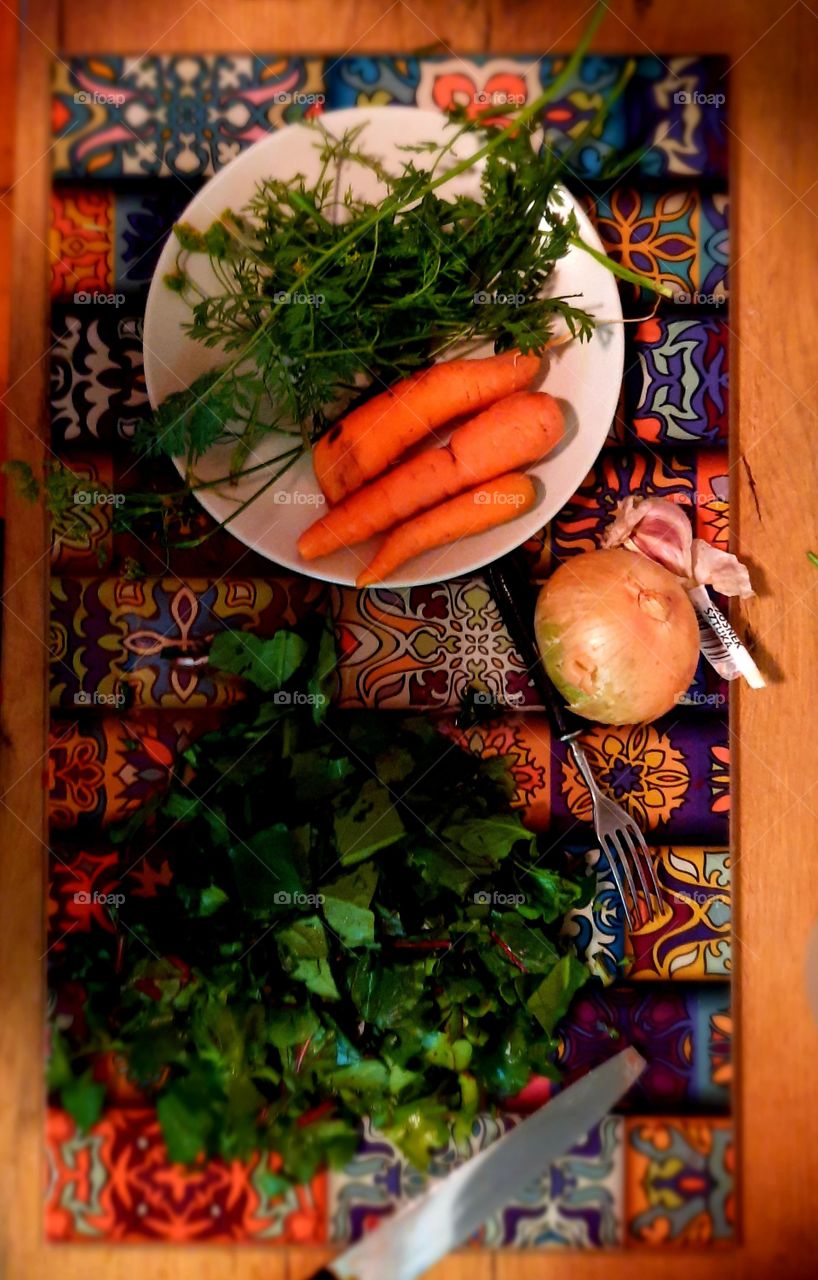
512,590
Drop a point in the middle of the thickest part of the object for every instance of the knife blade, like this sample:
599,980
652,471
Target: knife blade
455,1208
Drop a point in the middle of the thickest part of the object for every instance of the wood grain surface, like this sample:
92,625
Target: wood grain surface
771,88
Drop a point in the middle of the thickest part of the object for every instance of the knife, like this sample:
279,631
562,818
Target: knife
456,1207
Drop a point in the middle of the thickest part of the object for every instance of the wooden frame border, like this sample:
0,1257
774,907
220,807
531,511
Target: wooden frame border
772,103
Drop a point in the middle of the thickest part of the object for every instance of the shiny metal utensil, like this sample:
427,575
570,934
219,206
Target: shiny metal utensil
452,1211
619,836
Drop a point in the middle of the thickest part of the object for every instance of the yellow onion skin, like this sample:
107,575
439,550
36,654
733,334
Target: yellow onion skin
618,636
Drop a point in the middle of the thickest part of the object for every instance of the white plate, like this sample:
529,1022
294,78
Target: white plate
585,377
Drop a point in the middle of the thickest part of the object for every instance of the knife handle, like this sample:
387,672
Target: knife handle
515,599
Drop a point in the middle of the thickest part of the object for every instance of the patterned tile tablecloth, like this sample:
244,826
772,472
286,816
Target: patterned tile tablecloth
133,140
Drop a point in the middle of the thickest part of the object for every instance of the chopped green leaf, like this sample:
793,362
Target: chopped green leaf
552,997
82,1098
267,663
370,823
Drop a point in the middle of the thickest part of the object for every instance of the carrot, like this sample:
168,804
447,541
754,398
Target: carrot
490,504
371,438
507,436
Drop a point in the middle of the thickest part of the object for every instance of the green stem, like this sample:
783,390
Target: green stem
624,273
191,543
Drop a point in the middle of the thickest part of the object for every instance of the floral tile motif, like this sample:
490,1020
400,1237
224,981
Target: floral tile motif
425,646
184,116
83,540
676,381
97,378
578,1203
101,771
673,1027
116,1184
693,940
507,83
81,240
660,772
525,740
372,81
678,238
714,237
143,642
679,1179
677,107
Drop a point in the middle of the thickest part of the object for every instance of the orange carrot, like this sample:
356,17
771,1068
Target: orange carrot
490,504
507,436
371,438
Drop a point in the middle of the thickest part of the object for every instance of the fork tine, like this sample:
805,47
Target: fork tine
647,857
638,860
633,912
617,879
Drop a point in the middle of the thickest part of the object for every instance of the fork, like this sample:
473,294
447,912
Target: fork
620,839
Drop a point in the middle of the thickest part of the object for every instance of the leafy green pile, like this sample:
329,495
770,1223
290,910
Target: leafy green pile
357,924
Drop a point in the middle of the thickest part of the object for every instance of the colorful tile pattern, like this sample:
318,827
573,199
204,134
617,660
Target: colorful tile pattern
684,476
597,930
188,116
679,1177
81,240
676,381
102,770
713,1044
105,244
676,237
142,223
425,647
693,940
97,378
677,107
577,1204
397,653
83,538
677,1028
116,1183
658,772
182,116
143,642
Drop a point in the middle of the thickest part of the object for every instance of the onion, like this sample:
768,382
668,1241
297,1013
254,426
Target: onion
618,636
